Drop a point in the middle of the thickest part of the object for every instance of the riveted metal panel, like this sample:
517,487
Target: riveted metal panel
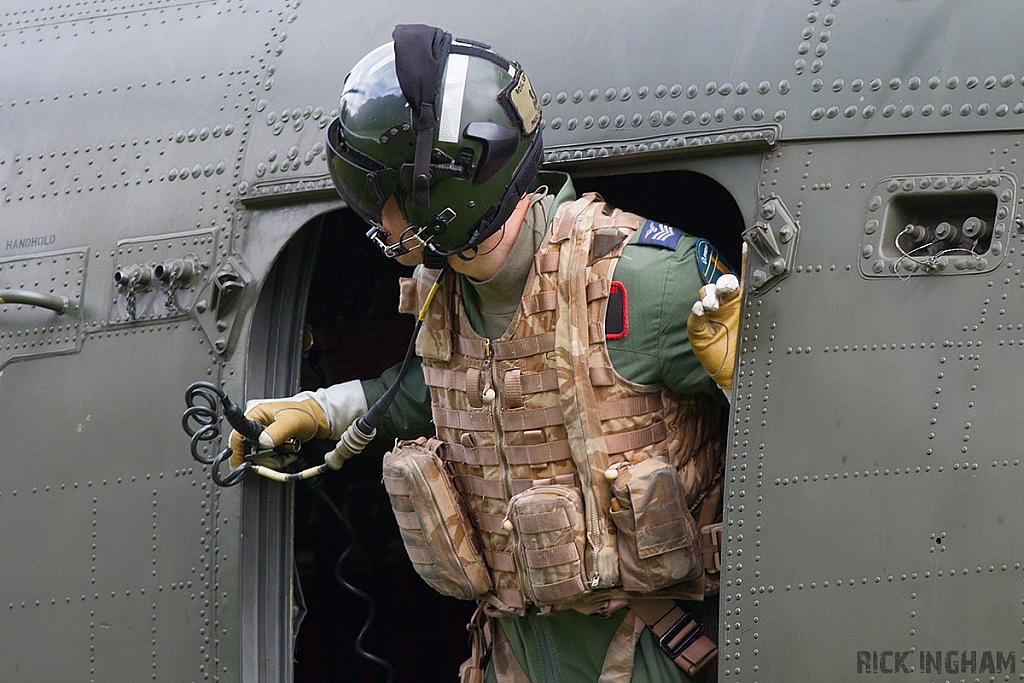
873,440
776,71
161,105
117,546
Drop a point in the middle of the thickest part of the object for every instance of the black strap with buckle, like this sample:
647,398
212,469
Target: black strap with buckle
665,641
668,622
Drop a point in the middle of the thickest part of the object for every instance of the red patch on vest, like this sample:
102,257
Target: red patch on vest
616,321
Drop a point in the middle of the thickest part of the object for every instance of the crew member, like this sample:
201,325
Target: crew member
561,450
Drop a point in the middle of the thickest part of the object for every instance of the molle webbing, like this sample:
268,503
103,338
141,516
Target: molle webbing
531,454
529,382
630,406
548,300
541,409
489,488
506,350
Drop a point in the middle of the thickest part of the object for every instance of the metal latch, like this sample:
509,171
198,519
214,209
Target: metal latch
223,302
772,242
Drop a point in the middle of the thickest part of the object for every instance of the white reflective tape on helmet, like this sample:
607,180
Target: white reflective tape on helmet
450,125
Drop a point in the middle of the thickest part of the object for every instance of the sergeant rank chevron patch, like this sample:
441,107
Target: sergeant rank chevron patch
659,235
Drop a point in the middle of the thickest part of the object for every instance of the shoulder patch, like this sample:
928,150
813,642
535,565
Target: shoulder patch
710,262
657,234
616,322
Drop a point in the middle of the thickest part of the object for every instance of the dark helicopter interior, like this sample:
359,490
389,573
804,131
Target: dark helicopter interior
356,332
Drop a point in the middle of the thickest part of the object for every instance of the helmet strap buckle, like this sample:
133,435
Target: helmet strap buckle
440,222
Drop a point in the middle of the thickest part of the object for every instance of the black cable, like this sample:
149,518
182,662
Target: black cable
362,595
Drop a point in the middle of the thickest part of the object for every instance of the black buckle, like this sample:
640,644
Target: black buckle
677,628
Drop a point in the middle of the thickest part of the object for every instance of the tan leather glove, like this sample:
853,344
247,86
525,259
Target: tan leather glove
713,328
284,419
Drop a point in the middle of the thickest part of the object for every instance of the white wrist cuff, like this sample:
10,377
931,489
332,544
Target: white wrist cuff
342,405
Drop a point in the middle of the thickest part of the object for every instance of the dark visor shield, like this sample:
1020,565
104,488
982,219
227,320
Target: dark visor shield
363,183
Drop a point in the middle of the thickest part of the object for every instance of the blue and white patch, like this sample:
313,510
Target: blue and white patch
710,262
657,234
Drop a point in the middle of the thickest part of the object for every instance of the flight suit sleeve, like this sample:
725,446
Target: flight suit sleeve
409,417
661,287
680,368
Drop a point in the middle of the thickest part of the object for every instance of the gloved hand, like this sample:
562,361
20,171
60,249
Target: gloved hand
713,327
324,413
284,419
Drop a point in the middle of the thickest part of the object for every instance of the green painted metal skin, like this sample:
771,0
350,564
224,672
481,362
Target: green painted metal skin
873,512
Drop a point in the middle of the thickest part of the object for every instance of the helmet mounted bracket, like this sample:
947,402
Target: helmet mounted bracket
421,53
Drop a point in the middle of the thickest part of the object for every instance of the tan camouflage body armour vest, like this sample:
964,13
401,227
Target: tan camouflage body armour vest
576,481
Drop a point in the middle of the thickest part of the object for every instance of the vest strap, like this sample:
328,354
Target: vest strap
477,456
595,332
503,562
710,543
628,407
474,387
618,661
536,382
546,262
512,388
538,454
527,346
638,438
511,597
419,554
602,377
489,488
408,299
407,520
551,557
540,302
679,634
509,349
443,378
534,418
541,522
396,486
463,420
491,523
561,590
598,289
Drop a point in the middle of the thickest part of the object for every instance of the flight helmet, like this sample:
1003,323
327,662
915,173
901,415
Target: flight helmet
447,127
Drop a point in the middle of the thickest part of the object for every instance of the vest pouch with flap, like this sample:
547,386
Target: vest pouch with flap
657,539
550,538
435,528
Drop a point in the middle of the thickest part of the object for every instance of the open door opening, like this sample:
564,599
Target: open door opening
356,333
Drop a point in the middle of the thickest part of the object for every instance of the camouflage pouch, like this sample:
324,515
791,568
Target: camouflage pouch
435,528
549,541
657,539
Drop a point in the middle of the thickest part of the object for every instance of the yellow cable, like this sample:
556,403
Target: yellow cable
430,296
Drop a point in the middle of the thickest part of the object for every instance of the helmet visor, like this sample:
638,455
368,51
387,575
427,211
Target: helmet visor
364,184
